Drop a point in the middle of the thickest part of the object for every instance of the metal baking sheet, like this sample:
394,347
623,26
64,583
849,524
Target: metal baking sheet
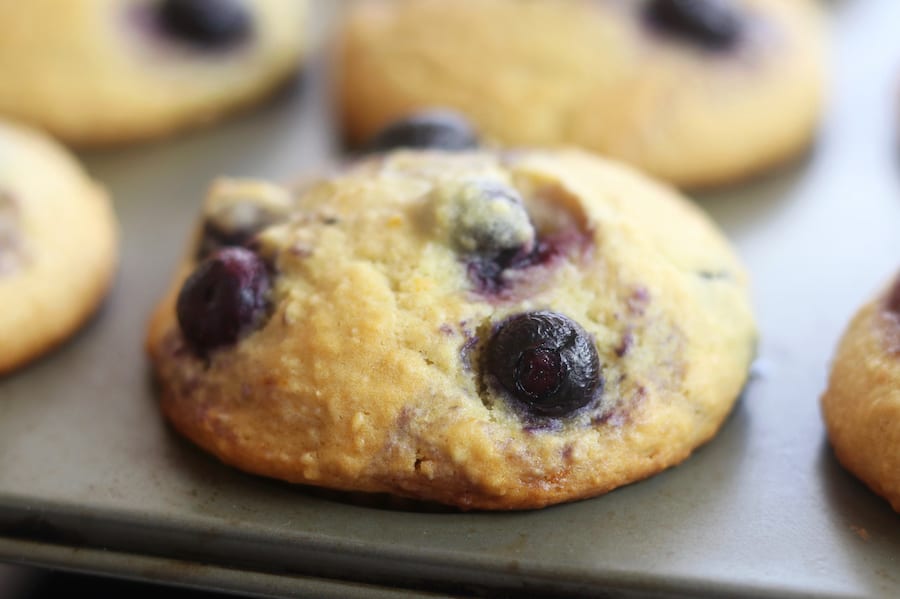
92,479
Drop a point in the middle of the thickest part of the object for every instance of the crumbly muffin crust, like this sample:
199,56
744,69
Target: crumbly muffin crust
368,371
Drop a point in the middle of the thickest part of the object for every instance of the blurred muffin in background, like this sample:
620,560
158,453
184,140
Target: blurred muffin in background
58,245
97,72
861,405
696,92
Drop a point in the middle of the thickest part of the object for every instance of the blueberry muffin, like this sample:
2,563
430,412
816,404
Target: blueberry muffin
861,405
696,92
97,72
57,245
486,330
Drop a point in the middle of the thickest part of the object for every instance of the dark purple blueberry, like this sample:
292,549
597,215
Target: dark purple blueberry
209,23
540,372
713,24
545,361
429,129
224,299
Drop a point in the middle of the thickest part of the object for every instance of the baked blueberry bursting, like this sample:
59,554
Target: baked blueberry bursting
492,219
207,23
544,361
427,130
492,231
225,298
495,274
712,24
487,272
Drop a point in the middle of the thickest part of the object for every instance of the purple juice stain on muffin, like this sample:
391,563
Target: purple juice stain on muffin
543,361
213,24
494,235
469,346
623,412
435,129
715,25
486,273
625,344
224,299
638,301
498,277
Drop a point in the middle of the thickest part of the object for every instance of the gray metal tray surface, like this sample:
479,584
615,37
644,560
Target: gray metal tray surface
92,479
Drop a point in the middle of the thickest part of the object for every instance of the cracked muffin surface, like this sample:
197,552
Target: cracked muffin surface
490,330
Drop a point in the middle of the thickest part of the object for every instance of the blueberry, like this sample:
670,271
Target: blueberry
223,299
209,23
429,129
713,24
489,218
488,226
545,361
